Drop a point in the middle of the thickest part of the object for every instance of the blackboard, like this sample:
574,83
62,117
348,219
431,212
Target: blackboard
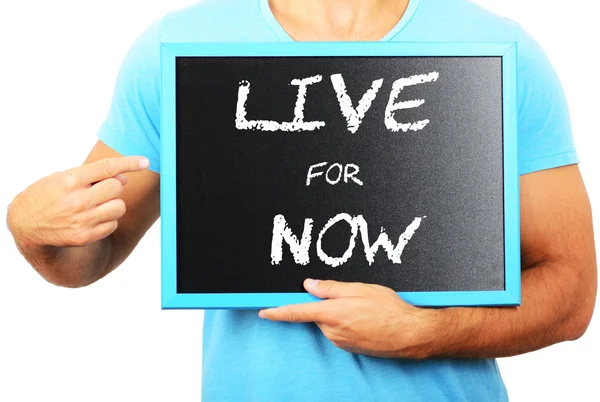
377,168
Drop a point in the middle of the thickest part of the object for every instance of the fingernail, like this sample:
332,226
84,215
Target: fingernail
122,178
144,163
312,283
261,314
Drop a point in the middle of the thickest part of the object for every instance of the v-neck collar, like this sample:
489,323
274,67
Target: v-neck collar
283,35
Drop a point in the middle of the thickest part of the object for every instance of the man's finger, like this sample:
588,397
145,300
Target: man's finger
102,230
334,289
103,191
109,211
110,167
307,312
122,178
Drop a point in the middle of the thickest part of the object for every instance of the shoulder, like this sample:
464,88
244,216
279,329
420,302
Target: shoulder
215,21
465,21
459,21
204,21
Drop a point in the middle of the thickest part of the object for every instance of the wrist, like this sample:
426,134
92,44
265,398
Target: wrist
431,334
455,329
419,337
26,243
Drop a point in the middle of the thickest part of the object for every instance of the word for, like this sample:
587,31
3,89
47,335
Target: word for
353,116
350,171
300,248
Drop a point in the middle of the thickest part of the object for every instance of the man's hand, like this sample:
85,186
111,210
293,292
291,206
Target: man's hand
72,226
73,208
362,318
559,283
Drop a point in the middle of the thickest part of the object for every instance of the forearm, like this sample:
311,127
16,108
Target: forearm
557,304
66,266
71,266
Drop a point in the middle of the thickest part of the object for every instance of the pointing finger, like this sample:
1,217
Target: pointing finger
110,167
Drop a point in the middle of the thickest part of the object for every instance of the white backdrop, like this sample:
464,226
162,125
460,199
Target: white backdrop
111,341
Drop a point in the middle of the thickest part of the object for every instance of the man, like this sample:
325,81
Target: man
363,343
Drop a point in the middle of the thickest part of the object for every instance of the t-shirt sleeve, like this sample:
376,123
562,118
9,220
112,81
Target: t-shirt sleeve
544,127
132,126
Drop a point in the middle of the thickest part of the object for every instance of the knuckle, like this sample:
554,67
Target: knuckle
58,177
294,316
112,226
81,237
115,186
69,180
133,165
110,167
74,221
338,339
375,287
329,334
385,290
337,345
120,207
328,286
335,321
75,205
119,188
344,325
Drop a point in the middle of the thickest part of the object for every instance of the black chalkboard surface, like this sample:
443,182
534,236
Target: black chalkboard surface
379,169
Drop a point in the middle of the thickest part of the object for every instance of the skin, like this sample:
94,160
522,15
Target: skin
74,227
558,291
338,20
63,226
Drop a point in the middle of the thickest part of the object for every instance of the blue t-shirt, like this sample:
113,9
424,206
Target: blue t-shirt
247,358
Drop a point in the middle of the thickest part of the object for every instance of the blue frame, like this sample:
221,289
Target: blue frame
511,296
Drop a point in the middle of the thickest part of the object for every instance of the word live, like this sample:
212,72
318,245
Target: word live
353,116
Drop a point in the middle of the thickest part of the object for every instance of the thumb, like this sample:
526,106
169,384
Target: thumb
330,289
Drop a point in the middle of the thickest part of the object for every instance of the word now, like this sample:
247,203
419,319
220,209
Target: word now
300,249
353,116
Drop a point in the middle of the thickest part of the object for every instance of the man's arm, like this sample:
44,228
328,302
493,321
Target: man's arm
559,278
73,240
558,291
